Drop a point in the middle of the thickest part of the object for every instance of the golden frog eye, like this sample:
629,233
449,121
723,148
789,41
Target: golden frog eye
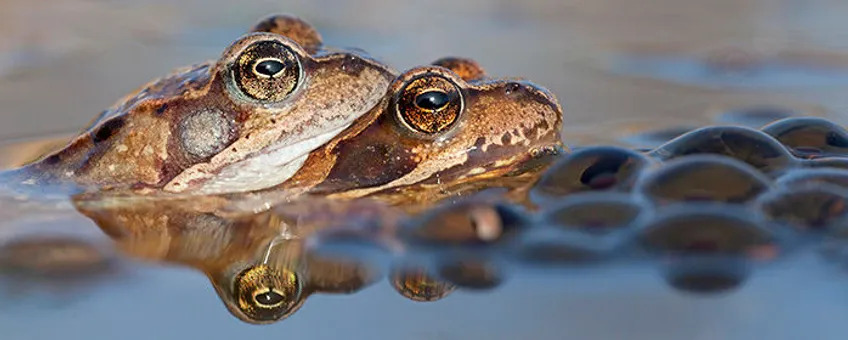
429,103
267,71
418,285
266,294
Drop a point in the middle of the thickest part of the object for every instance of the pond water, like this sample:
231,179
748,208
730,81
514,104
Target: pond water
627,73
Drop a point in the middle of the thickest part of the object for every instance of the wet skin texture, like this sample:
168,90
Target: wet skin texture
269,115
258,263
435,129
281,114
241,123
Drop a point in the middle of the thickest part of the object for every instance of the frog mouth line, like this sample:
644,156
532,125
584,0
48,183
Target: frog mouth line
268,169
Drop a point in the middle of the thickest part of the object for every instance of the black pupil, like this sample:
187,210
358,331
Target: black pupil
432,100
269,67
268,298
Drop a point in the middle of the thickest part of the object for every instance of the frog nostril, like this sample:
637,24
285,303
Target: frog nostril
512,88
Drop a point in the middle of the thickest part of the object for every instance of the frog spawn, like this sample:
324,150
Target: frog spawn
707,208
705,211
706,219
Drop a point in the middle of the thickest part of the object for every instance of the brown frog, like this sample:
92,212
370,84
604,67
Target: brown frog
244,122
439,131
446,127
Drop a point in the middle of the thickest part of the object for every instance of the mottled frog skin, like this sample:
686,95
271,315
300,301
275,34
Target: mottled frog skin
439,131
282,117
244,122
444,127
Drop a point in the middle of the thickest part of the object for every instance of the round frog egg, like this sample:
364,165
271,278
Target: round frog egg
708,248
704,178
810,137
706,274
744,144
708,229
583,227
467,225
805,177
603,168
807,208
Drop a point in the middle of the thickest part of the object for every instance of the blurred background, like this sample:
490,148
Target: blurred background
616,65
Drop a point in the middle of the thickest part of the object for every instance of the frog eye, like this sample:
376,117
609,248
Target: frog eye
266,294
267,71
418,285
429,103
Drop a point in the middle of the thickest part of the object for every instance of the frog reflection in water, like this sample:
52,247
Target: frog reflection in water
435,134
244,122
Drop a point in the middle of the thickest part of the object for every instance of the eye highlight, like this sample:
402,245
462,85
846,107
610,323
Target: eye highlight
266,294
267,71
432,100
429,103
268,67
269,298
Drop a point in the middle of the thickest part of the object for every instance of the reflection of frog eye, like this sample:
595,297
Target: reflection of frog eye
266,294
418,285
429,103
267,70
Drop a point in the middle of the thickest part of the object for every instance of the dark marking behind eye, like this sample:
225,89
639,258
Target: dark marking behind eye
432,100
54,159
387,160
161,109
107,130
